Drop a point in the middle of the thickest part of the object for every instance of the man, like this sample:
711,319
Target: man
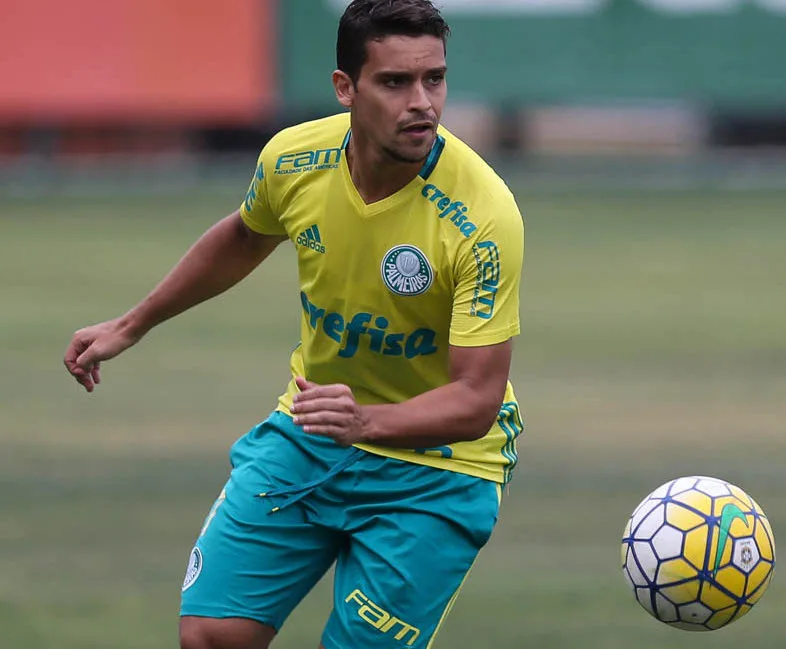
387,452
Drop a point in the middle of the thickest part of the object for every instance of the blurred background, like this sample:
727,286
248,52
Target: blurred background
645,141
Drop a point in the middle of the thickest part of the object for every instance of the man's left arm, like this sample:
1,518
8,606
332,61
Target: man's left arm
463,410
484,321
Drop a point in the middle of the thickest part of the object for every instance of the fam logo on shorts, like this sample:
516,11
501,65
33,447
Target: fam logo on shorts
406,271
193,569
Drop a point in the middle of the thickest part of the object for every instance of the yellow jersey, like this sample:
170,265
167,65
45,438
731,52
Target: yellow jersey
387,287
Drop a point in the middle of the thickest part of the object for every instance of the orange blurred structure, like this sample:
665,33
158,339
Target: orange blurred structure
140,61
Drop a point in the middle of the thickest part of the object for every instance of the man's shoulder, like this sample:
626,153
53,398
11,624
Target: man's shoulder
315,135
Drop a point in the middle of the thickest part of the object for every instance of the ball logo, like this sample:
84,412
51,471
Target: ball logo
193,569
746,554
406,271
729,514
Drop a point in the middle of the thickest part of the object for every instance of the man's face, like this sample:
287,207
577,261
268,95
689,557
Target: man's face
398,99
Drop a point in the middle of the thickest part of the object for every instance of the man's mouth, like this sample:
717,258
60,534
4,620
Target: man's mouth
419,128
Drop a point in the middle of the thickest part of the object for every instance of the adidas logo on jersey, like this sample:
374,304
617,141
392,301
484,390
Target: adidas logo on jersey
310,238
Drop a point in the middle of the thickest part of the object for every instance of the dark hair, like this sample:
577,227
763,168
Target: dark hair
366,20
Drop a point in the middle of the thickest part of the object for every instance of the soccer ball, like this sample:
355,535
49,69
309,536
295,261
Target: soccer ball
698,553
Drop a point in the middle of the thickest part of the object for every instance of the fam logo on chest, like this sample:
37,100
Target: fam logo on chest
406,270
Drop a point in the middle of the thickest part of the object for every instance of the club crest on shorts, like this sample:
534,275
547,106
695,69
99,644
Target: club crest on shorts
193,569
406,271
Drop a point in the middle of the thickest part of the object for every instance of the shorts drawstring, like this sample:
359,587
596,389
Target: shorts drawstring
296,493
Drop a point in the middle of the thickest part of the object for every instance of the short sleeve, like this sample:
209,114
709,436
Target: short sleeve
488,277
256,209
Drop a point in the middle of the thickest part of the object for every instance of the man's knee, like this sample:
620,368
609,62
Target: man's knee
224,633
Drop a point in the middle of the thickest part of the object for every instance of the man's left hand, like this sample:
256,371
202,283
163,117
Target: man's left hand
329,410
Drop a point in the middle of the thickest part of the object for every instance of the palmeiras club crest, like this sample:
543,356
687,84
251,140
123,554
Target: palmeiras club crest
406,271
193,569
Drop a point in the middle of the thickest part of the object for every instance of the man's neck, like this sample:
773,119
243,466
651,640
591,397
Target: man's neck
375,175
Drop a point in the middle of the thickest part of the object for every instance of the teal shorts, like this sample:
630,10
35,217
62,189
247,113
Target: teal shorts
402,536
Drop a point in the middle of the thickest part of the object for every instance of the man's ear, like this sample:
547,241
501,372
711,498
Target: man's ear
344,87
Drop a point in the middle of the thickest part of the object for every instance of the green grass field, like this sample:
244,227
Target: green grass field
653,346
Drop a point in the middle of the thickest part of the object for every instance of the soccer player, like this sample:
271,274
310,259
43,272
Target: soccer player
387,452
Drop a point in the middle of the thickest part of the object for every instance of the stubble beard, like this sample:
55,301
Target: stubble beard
397,156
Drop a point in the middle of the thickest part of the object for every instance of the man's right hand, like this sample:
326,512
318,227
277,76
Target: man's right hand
91,345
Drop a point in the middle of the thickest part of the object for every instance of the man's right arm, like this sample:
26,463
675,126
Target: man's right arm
220,258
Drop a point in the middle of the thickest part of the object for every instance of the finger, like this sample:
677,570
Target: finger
88,358
304,384
82,377
75,370
331,391
75,349
324,417
95,374
336,433
85,380
315,404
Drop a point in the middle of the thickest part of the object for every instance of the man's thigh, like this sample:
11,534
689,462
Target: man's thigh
415,534
248,562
